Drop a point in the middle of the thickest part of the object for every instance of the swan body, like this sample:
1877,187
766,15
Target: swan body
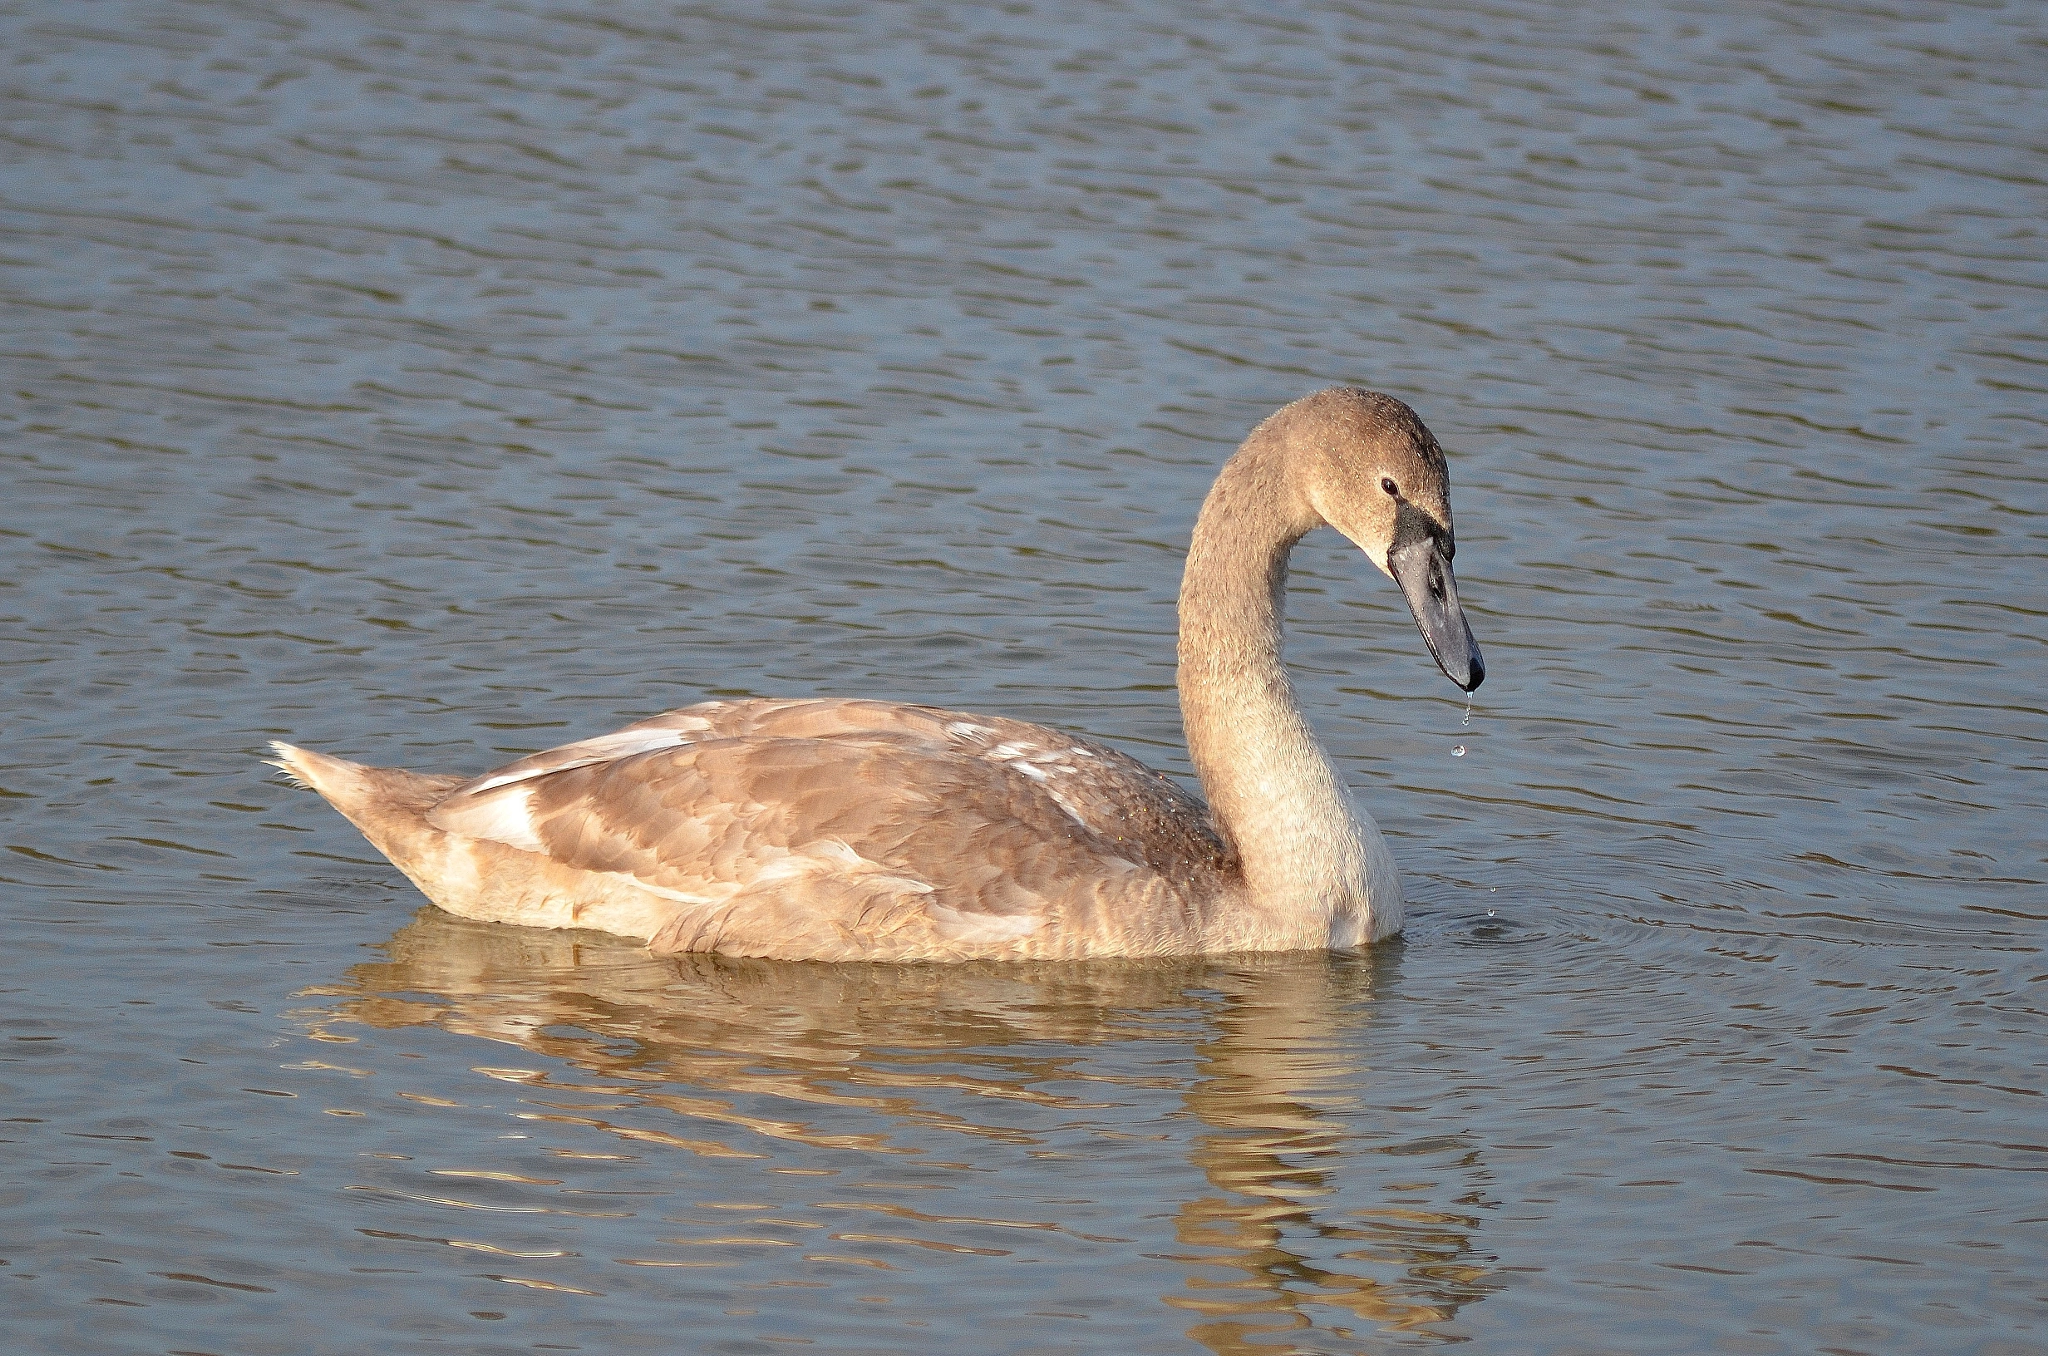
825,829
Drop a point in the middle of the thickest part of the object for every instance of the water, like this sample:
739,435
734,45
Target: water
432,384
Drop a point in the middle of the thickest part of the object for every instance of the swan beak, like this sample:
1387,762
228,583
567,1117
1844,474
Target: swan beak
1421,567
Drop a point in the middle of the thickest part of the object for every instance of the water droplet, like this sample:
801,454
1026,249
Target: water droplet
1468,712
1457,750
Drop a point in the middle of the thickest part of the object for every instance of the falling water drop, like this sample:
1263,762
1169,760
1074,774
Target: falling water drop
1457,750
1468,710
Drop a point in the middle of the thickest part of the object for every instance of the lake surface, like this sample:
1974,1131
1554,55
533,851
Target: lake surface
435,383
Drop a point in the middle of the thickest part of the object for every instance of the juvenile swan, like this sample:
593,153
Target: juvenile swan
823,829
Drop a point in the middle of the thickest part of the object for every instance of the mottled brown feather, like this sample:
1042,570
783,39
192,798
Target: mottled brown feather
775,817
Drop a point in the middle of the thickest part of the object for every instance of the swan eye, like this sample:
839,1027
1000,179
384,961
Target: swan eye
1387,484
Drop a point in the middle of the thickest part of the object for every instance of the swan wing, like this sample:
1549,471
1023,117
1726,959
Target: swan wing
827,828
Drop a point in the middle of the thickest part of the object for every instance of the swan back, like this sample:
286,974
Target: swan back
828,829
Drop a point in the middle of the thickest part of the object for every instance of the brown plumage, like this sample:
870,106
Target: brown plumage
859,830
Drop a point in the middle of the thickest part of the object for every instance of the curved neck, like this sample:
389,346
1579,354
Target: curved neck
1313,874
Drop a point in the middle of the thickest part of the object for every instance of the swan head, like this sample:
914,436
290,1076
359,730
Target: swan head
1371,470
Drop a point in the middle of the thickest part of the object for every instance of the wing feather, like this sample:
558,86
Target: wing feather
835,818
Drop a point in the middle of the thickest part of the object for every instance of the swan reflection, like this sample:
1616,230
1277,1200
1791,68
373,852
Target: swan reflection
1232,1087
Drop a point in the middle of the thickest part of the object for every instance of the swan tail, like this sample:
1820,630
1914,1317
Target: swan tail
469,876
389,804
290,761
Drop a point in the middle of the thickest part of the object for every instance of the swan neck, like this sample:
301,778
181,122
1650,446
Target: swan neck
1310,869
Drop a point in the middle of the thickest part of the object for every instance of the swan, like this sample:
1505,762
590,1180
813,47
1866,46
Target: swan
823,829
